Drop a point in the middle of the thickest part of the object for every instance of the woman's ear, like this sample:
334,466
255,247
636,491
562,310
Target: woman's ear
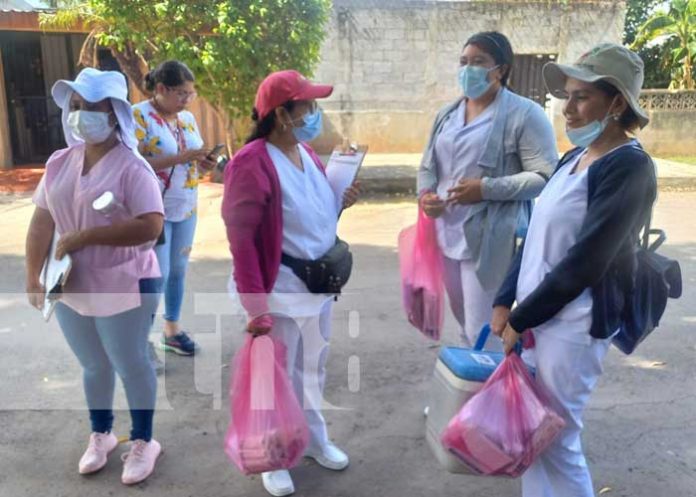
113,120
619,107
283,117
501,71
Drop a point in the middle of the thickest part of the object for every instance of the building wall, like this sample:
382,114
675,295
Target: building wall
671,131
394,62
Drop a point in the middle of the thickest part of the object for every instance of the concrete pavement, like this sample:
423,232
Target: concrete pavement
640,427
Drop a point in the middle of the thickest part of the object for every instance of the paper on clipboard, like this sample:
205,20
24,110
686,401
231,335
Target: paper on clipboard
53,276
342,169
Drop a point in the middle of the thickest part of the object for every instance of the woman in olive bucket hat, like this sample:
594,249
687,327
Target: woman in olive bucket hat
576,263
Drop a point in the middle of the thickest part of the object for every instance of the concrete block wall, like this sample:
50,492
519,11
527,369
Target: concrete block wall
395,62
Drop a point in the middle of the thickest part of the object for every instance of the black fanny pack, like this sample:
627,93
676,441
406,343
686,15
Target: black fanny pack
328,274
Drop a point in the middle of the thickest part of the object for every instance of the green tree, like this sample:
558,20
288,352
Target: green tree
676,26
230,45
637,12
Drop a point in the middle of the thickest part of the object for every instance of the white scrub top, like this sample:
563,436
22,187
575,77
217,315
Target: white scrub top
558,215
310,222
458,150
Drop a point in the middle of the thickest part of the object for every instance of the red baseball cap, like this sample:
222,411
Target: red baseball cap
285,86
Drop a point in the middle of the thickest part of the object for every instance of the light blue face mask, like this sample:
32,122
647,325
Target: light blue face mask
586,135
474,80
311,129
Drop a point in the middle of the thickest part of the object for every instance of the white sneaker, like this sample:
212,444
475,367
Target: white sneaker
426,411
278,483
330,457
97,453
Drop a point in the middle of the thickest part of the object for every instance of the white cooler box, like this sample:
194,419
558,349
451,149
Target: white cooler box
459,374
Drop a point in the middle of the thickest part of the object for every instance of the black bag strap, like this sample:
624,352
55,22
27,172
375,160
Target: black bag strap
647,228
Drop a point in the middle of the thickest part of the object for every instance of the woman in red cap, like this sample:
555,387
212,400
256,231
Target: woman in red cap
278,207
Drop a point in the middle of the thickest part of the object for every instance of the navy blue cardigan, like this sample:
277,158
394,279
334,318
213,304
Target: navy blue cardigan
622,187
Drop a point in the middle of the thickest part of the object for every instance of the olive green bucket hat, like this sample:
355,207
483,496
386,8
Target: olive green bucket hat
615,64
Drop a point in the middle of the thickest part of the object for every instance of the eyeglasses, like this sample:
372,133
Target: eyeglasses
183,95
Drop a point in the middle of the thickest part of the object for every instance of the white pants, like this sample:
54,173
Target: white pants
471,305
569,371
307,342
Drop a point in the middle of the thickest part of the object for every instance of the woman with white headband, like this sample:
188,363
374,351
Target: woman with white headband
109,299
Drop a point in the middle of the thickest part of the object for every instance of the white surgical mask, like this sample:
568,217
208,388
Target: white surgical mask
93,127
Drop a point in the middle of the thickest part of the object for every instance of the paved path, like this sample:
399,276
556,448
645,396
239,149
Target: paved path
641,422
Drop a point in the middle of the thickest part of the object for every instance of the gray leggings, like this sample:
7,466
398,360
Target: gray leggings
115,343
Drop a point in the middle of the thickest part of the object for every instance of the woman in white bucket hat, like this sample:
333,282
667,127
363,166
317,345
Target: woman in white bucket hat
570,277
109,299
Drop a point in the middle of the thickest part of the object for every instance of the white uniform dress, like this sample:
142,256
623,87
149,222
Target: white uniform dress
568,359
458,151
303,320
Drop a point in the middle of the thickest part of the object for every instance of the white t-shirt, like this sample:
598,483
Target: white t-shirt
159,140
558,215
458,150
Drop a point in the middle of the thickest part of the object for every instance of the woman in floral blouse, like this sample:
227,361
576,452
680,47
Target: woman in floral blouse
170,141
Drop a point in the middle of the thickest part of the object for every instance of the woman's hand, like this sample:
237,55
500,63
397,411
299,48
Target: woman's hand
36,293
69,243
261,325
510,339
499,320
468,191
351,195
207,164
432,205
192,155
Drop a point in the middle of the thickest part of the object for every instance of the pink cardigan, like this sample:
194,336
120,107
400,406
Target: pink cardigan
252,208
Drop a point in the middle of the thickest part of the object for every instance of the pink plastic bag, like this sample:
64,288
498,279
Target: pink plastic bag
504,427
422,285
268,430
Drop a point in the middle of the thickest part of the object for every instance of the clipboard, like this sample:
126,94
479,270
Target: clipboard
54,275
343,167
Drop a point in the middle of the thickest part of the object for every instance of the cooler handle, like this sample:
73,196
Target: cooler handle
483,336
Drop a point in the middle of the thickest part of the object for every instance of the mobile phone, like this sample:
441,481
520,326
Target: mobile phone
215,151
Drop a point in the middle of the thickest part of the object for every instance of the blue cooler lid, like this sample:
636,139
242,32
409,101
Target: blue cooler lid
470,364
474,364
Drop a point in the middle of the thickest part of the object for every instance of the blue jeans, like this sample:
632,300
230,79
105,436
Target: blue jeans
173,257
116,343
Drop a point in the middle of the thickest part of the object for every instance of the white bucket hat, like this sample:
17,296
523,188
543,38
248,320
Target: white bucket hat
609,62
94,85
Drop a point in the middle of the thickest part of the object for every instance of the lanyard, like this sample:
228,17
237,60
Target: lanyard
179,138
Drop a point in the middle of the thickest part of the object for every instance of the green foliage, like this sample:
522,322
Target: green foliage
657,73
674,28
230,45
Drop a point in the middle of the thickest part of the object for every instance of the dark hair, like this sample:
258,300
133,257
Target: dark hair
263,127
170,73
629,120
497,46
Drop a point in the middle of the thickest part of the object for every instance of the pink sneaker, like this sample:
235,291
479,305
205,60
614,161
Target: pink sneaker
139,463
98,450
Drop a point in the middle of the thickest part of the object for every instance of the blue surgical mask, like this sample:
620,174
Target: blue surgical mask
474,80
311,129
586,135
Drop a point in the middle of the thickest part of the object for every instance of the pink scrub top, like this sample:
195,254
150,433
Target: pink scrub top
104,280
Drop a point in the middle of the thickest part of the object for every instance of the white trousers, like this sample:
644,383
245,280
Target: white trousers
569,371
307,342
471,305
